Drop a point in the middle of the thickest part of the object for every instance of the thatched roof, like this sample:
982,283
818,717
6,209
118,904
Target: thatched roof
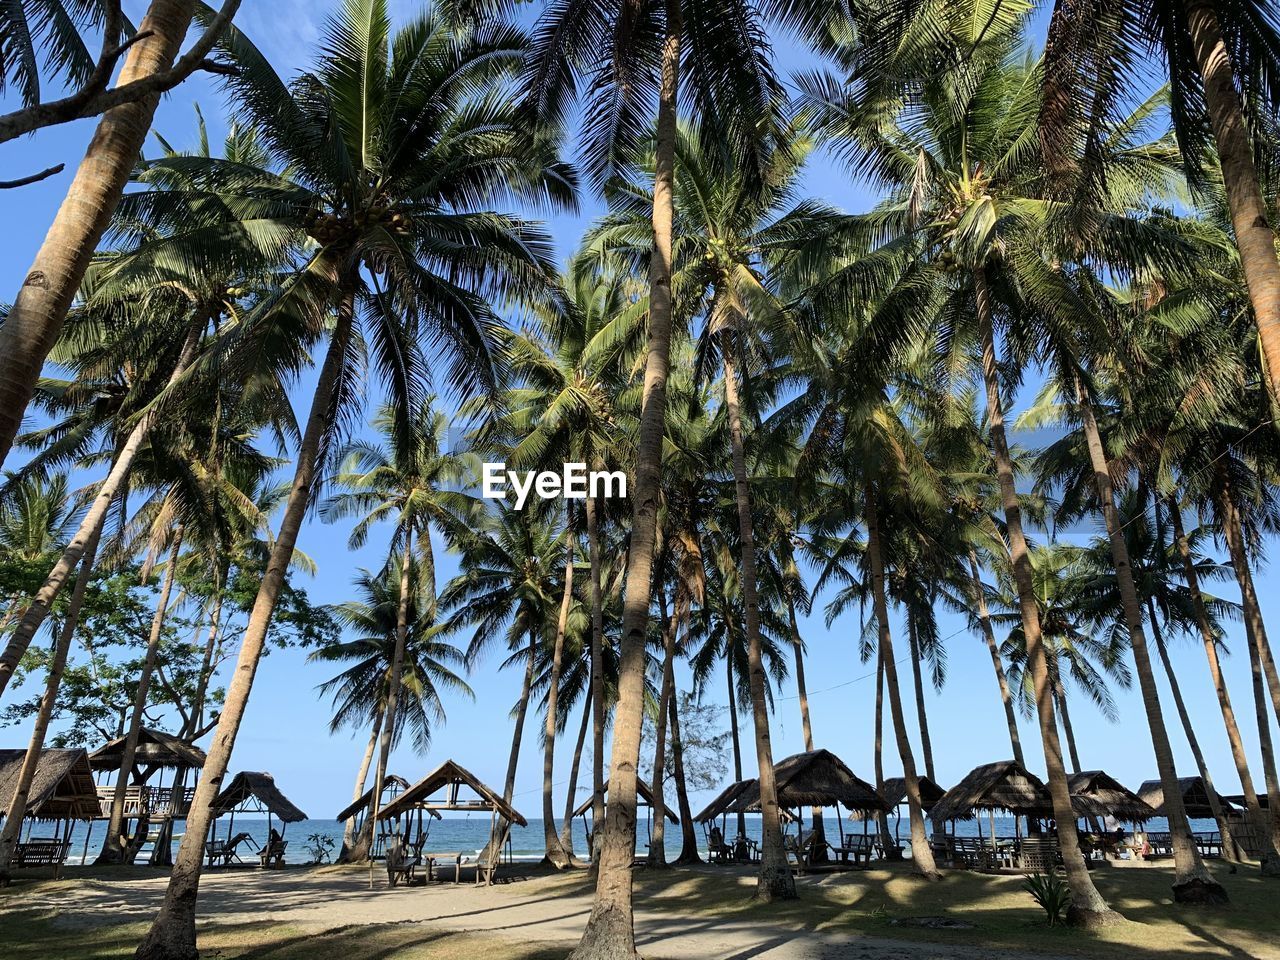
815,779
450,777
1194,797
247,786
1095,794
356,806
818,779
155,749
645,798
1005,785
62,788
894,791
724,801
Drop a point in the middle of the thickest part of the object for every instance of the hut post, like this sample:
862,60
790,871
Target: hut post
840,822
991,817
88,832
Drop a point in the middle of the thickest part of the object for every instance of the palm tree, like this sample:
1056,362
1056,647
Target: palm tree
634,55
510,584
1217,57
41,304
362,694
385,193
404,479
964,192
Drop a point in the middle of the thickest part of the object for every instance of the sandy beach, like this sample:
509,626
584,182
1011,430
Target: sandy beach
681,915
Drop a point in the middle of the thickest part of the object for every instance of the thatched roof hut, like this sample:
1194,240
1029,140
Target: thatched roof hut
1195,797
644,793
724,801
1095,794
1004,785
62,788
451,778
256,793
398,784
817,778
156,749
894,791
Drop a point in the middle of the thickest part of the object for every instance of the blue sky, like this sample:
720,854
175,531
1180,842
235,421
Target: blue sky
285,728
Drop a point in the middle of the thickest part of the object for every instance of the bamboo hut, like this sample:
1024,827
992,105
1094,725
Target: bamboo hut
62,792
1005,786
392,787
1096,794
817,778
442,790
1195,797
147,802
894,792
644,798
252,793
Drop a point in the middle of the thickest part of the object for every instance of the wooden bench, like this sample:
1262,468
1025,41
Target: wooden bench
858,848
272,855
1209,844
41,853
1159,845
1039,855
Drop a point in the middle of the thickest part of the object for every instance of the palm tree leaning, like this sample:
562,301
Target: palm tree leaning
41,304
386,200
1216,54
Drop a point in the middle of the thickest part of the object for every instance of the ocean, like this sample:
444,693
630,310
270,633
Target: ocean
469,835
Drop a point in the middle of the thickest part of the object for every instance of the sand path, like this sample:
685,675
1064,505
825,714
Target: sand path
535,910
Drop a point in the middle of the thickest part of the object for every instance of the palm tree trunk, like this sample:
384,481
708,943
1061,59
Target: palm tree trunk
1060,698
114,842
493,848
1266,747
1254,237
658,840
610,930
349,830
17,803
1234,535
597,683
43,600
557,856
40,307
734,736
802,693
1088,908
1219,816
688,834
1193,883
172,935
206,662
989,637
566,826
1259,655
922,716
887,842
366,845
921,854
776,880
1271,852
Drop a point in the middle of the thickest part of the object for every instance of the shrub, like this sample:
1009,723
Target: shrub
320,847
1052,893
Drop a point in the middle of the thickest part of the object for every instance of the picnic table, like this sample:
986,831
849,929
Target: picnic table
444,859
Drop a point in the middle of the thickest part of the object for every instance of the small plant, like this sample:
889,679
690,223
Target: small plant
320,847
1052,893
